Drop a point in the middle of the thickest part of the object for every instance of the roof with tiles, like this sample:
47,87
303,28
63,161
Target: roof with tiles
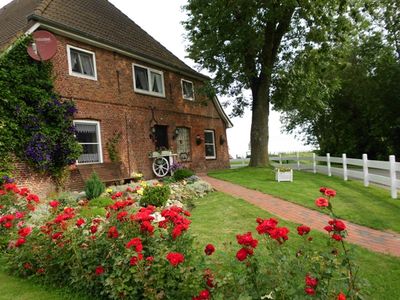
94,19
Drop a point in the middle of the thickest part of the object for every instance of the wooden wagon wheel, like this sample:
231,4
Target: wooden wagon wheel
160,166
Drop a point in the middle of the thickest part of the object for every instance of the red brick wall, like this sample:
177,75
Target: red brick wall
112,101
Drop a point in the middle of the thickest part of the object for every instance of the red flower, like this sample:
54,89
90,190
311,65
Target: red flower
27,266
337,237
247,240
23,191
328,228
135,242
310,291
330,193
20,242
341,296
99,270
57,236
209,249
322,202
303,229
113,232
150,259
175,258
80,222
280,234
93,229
135,259
265,226
311,282
122,216
32,197
241,255
24,232
338,225
2,192
19,215
322,190
54,203
203,295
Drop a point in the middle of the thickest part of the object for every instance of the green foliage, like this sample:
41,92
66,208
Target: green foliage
155,195
112,147
183,173
100,202
35,126
94,187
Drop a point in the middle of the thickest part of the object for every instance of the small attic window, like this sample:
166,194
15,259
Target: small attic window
81,63
187,90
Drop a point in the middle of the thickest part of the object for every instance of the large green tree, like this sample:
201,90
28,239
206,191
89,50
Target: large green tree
247,44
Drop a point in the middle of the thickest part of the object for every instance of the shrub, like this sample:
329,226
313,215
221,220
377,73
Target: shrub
155,195
181,174
100,202
94,187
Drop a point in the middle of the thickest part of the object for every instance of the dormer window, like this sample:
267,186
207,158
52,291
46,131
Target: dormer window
148,81
187,90
81,63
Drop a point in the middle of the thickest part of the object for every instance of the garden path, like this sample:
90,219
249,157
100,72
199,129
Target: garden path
375,240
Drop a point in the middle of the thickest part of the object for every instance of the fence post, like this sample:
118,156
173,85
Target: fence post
298,161
328,162
280,158
393,185
365,169
314,163
344,158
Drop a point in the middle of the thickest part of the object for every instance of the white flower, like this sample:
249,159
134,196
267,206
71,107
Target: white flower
157,217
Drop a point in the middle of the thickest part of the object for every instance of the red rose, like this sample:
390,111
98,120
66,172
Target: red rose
54,203
247,240
24,191
330,193
209,249
19,215
20,242
7,225
24,232
32,197
341,296
27,266
175,258
99,270
322,189
80,222
135,242
311,282
113,232
339,225
122,216
322,202
265,226
135,259
93,229
310,291
303,229
337,237
328,228
241,255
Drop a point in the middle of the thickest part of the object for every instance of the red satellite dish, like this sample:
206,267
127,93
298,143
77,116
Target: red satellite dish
44,45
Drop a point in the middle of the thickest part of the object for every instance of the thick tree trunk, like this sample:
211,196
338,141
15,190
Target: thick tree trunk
259,134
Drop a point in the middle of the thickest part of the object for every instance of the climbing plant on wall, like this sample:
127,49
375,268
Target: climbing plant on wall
35,125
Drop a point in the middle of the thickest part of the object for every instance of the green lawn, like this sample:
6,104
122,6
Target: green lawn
217,219
372,206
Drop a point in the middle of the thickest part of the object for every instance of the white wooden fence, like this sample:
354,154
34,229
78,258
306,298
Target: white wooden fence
374,171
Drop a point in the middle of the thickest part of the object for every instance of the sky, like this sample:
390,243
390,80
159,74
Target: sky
162,20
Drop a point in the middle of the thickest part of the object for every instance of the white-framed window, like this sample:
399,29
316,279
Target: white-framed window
81,63
209,144
148,81
183,143
88,135
187,90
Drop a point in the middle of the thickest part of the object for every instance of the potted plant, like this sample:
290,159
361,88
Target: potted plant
283,174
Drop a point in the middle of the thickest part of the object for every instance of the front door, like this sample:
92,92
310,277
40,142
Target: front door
161,137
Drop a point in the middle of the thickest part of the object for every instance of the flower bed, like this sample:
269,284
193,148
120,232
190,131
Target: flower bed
147,252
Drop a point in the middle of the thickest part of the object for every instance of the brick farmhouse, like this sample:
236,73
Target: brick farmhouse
124,83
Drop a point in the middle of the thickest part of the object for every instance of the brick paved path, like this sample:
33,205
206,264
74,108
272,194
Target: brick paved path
375,240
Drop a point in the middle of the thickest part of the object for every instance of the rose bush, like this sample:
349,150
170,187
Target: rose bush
135,252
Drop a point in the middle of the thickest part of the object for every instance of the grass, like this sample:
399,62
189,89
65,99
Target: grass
218,217
368,206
